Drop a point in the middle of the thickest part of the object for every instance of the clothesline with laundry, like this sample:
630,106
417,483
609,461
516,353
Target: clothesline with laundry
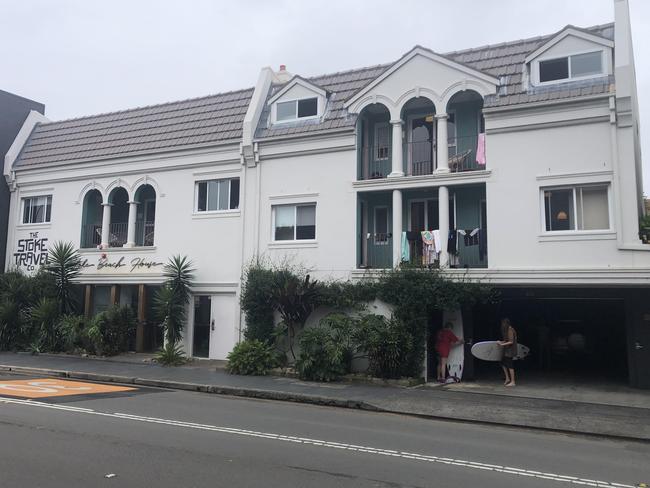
432,244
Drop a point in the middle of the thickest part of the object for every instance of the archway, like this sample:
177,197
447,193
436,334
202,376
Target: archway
418,115
118,198
374,136
146,215
465,124
91,219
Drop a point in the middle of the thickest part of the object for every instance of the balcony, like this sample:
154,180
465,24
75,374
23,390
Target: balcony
419,151
119,221
420,210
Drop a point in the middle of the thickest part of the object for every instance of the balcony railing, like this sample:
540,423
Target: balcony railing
144,233
376,161
463,154
470,255
420,158
377,251
91,236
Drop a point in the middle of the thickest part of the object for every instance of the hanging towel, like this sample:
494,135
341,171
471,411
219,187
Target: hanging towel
480,150
436,241
406,250
428,250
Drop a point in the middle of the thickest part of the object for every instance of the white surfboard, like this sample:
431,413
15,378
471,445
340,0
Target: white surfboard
492,351
457,353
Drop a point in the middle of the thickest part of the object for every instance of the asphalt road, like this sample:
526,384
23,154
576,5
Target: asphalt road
153,437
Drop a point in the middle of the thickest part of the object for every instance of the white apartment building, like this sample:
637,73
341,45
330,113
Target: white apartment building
522,159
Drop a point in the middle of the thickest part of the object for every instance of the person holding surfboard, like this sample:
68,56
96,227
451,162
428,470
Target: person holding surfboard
444,340
509,344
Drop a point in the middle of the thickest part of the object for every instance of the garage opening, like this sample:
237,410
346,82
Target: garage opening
571,338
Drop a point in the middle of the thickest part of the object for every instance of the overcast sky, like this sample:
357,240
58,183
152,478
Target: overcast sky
81,57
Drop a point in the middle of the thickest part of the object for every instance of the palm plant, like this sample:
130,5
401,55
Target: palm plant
295,298
64,264
45,316
171,300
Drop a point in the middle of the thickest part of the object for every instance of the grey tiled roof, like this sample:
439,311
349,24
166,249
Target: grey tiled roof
504,61
195,122
219,118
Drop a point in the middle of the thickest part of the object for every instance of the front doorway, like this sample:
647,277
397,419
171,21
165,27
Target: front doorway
202,326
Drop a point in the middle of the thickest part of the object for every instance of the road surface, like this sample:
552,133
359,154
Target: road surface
78,434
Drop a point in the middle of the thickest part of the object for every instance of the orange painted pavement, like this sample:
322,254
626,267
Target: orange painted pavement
50,387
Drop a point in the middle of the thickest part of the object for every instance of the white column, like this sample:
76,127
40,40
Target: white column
130,232
442,151
397,227
106,224
443,223
397,165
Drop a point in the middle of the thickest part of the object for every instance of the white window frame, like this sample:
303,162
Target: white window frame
295,220
206,211
603,66
374,225
455,145
296,100
32,197
574,188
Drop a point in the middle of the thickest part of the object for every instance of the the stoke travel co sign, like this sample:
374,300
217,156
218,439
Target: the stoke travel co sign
120,265
31,252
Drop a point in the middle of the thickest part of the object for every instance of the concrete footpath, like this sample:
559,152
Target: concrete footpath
631,422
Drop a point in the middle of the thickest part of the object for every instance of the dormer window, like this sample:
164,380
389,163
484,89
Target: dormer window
297,109
571,67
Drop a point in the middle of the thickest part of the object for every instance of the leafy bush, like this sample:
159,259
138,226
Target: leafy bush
252,357
72,331
171,355
110,331
45,319
257,303
388,344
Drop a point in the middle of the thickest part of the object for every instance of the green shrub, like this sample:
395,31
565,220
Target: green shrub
45,320
388,344
110,331
257,303
252,358
321,357
72,332
171,355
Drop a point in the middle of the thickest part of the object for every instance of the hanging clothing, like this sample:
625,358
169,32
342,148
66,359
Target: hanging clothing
470,236
436,241
428,248
482,244
480,150
452,242
406,249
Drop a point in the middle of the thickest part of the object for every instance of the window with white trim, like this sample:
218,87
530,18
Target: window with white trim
37,210
576,208
214,195
296,109
569,67
294,222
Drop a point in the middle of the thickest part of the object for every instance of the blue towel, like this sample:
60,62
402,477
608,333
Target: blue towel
406,251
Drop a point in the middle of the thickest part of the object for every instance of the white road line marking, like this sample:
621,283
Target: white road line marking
327,444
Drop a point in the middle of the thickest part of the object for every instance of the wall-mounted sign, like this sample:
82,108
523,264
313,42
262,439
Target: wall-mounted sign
31,252
121,264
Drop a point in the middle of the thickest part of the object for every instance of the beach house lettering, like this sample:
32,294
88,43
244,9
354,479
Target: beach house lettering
31,252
